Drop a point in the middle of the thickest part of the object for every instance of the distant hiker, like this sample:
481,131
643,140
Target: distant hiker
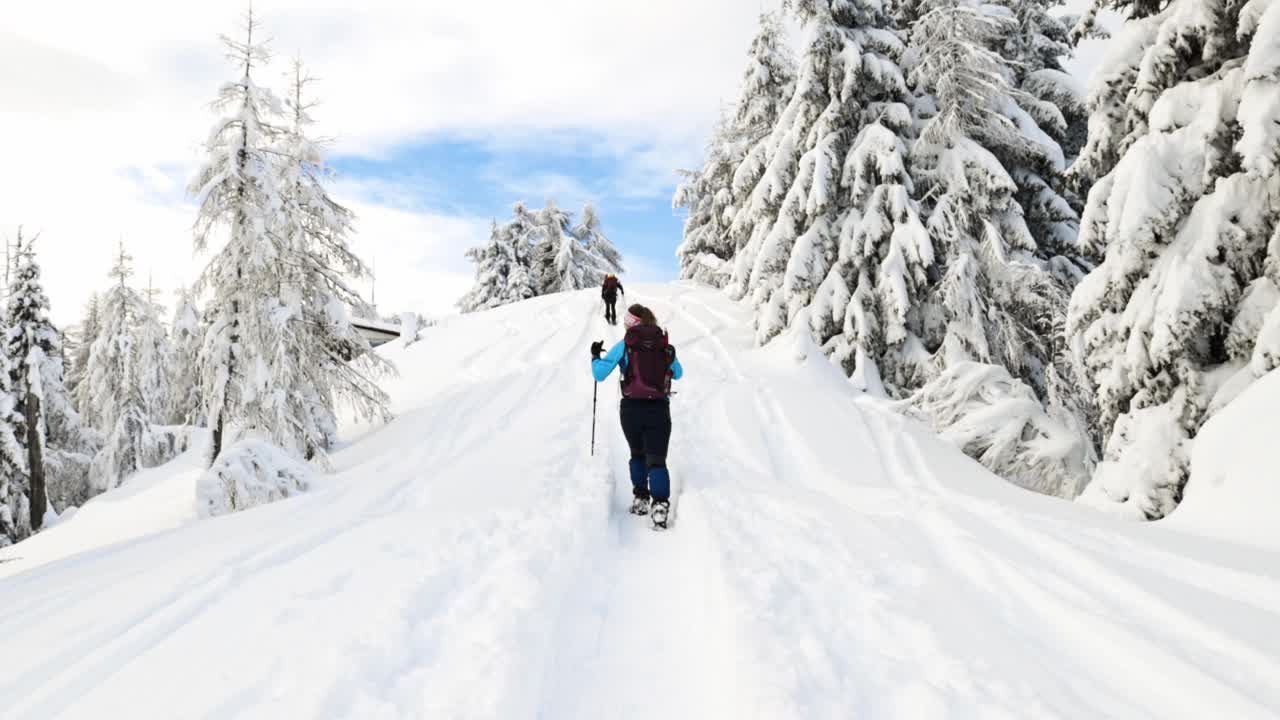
609,291
647,364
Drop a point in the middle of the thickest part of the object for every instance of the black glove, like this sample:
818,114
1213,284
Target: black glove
597,349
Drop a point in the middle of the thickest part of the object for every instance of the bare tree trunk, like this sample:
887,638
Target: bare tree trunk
35,459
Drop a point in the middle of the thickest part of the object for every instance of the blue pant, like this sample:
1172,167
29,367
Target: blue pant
647,425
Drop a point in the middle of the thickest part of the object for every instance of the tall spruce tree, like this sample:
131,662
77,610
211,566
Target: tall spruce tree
707,197
602,257
116,401
502,275
1002,294
1183,313
78,357
15,494
154,357
15,499
849,77
558,257
316,356
236,188
187,330
57,444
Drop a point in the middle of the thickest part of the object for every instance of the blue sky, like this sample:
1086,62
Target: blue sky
460,176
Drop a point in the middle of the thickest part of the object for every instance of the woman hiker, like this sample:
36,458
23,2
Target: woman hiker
646,365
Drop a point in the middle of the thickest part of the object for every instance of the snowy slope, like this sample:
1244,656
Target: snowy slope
829,560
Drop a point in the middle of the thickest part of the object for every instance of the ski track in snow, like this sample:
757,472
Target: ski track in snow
828,559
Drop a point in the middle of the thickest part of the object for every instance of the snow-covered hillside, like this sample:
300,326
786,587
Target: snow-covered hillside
470,560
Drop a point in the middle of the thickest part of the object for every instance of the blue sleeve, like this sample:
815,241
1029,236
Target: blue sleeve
677,371
601,368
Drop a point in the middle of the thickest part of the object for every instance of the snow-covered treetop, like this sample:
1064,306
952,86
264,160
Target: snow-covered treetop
236,178
121,266
770,67
847,12
967,79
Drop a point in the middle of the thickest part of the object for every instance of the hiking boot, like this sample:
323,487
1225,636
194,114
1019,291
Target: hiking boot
640,506
658,512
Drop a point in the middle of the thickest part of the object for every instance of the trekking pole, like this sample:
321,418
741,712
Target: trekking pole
595,389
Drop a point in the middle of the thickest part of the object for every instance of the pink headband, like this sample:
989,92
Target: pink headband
630,321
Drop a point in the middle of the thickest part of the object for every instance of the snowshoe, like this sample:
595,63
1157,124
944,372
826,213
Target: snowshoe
658,513
640,506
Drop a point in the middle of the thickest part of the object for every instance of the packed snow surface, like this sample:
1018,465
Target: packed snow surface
828,559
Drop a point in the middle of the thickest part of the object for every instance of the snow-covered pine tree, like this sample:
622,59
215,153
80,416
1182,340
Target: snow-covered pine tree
833,220
154,358
187,331
58,445
999,300
78,358
559,259
495,262
15,501
521,234
707,195
849,78
602,256
315,355
29,343
15,496
236,191
116,401
1050,113
1184,312
735,159
504,265
1035,51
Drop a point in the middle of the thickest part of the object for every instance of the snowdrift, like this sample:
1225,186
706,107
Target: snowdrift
1234,491
471,560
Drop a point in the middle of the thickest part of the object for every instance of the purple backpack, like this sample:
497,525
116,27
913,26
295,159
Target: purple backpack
648,372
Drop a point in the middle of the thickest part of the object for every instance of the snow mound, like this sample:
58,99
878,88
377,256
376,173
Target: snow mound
248,474
152,501
1234,491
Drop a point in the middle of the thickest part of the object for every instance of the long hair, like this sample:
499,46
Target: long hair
645,314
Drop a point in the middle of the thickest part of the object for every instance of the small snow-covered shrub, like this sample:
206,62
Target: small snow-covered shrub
247,474
997,419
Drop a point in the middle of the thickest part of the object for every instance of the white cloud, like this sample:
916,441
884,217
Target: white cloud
105,104
568,192
418,256
644,270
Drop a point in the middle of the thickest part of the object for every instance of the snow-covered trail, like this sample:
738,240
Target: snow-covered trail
829,559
